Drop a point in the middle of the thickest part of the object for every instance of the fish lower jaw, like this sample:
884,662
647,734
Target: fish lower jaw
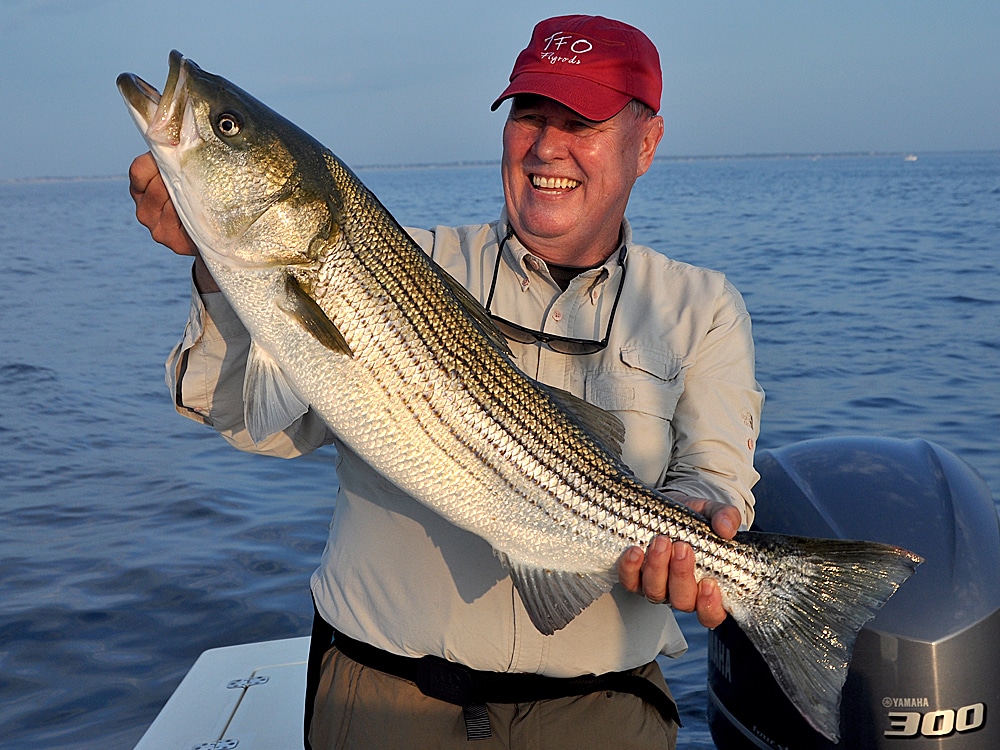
141,98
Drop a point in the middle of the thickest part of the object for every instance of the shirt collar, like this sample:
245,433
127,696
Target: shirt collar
527,262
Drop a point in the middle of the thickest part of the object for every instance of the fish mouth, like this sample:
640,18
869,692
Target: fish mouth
159,116
168,126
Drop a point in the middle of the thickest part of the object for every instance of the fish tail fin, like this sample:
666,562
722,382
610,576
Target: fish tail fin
818,596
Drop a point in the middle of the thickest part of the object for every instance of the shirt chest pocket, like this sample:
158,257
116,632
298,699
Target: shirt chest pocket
644,380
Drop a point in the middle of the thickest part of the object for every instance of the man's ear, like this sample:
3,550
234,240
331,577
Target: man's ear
652,133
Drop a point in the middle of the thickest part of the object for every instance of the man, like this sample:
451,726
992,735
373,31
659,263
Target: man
423,609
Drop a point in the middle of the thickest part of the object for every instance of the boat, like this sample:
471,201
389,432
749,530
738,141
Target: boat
925,671
910,157
249,696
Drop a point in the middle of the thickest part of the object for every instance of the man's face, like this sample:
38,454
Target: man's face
567,179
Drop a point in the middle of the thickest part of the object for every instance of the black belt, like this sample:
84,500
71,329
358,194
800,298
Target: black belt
472,689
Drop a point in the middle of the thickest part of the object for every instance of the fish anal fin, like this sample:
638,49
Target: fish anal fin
553,598
304,310
270,404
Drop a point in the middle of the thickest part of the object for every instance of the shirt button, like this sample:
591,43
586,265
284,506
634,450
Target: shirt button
557,315
534,264
525,283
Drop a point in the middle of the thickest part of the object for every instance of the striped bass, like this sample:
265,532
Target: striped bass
350,318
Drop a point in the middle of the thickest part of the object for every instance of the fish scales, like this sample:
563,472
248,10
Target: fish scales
348,317
483,382
395,278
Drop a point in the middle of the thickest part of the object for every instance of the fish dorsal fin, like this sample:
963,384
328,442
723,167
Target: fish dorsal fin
466,300
553,598
303,310
477,312
270,404
603,425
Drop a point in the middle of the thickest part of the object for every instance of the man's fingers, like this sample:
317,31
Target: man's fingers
683,589
141,172
726,521
153,207
630,569
709,605
656,569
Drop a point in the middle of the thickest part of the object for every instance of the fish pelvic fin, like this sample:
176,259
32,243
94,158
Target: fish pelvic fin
818,596
270,404
304,310
553,598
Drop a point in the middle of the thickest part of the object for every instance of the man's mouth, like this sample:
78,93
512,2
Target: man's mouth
553,183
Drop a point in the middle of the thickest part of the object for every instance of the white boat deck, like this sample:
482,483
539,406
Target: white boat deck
248,697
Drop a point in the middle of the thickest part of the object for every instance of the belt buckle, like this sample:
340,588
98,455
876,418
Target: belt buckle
445,680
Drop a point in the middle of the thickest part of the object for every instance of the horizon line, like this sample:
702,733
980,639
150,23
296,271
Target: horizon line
495,162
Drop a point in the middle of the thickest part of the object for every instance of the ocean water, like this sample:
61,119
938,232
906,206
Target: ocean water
131,539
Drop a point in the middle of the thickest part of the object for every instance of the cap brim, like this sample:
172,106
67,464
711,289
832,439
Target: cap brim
587,98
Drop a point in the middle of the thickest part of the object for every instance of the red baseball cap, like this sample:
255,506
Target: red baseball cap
593,65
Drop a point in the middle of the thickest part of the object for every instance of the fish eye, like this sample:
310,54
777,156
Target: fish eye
229,124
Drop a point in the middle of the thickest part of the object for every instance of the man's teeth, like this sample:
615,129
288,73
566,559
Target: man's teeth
553,183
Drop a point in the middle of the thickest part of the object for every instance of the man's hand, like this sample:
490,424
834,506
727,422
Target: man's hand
153,207
156,212
665,573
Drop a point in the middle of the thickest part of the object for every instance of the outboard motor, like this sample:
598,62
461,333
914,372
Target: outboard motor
925,672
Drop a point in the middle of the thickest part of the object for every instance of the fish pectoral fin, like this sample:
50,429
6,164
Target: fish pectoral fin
304,310
603,425
554,597
270,404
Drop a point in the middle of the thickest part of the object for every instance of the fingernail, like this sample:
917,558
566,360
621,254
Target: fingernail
659,545
634,555
681,551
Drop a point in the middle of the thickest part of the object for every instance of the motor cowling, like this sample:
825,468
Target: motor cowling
925,672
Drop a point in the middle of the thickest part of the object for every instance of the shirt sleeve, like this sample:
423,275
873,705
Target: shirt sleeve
717,419
205,373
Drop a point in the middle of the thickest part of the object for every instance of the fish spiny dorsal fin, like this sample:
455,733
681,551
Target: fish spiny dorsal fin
476,311
603,425
469,303
553,598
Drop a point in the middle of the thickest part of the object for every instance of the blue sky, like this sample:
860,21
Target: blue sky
386,82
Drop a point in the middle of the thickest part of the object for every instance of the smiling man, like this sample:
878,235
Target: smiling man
567,179
431,646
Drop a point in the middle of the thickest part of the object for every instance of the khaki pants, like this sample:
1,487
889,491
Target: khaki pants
358,708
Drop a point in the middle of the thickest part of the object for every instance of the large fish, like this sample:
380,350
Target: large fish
350,318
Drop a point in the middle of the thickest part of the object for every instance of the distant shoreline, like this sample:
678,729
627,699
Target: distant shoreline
496,162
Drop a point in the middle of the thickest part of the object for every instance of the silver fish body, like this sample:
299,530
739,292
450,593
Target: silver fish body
350,318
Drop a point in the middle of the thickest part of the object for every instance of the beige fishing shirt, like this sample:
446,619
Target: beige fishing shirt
678,371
